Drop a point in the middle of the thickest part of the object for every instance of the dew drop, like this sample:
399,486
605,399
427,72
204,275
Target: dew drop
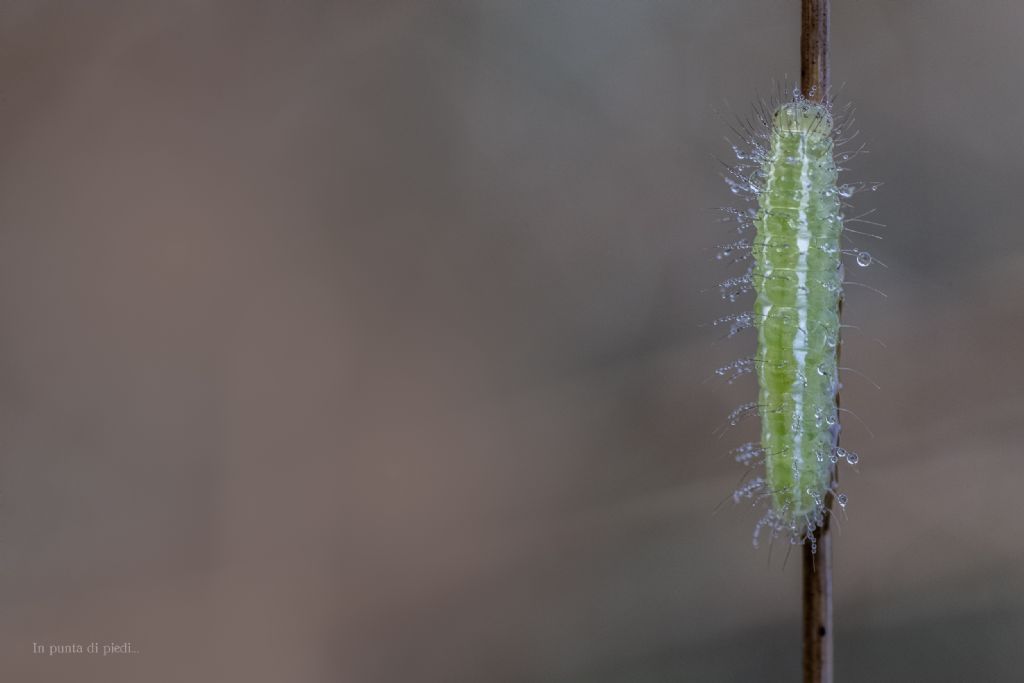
846,190
852,458
863,259
842,500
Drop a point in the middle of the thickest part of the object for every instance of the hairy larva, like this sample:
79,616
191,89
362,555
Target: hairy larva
796,272
798,279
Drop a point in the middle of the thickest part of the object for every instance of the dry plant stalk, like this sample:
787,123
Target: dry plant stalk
817,563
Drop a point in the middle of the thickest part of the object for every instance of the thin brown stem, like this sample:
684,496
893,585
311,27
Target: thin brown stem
814,48
817,592
817,557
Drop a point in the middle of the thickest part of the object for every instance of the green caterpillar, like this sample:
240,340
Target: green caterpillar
798,279
797,275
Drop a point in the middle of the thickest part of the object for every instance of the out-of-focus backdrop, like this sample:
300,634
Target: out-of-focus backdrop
361,342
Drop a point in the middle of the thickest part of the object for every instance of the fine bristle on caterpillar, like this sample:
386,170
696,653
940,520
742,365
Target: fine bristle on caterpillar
796,274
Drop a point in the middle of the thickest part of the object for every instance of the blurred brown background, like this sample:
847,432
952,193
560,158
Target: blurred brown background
359,342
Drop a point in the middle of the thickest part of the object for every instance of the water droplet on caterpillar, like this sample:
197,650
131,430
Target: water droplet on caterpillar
740,412
748,453
842,500
864,259
846,191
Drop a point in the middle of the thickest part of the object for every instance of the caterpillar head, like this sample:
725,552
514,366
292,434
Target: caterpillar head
803,117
